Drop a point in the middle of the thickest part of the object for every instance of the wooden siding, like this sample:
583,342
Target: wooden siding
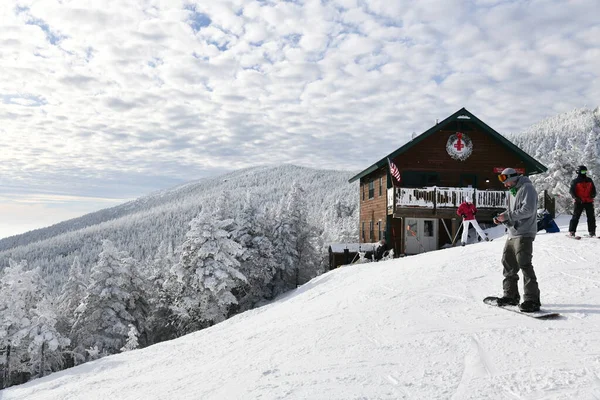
431,156
373,209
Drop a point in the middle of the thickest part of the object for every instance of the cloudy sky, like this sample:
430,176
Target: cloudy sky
104,101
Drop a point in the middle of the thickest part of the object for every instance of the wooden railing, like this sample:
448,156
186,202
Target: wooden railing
445,197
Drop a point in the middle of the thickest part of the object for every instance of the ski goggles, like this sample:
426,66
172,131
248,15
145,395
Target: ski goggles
503,177
583,172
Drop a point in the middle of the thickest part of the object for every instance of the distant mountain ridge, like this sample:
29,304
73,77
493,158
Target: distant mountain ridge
140,226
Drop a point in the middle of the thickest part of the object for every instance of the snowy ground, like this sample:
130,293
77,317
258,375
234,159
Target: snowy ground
412,328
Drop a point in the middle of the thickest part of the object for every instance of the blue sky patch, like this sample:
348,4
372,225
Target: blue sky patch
197,20
53,37
27,100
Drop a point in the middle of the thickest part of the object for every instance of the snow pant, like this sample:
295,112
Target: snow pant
465,232
589,212
518,252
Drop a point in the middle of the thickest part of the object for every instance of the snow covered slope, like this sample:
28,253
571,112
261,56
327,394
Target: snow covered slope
411,328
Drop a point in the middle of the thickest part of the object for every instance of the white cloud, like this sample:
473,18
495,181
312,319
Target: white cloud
99,93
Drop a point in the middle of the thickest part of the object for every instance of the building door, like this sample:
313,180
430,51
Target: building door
430,234
421,235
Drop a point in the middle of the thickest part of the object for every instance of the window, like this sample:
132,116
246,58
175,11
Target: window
381,186
420,179
371,189
412,226
428,228
363,192
363,232
380,226
371,231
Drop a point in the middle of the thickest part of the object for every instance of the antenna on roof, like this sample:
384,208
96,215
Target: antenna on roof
437,121
414,135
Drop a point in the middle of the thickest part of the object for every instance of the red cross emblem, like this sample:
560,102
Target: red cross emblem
459,144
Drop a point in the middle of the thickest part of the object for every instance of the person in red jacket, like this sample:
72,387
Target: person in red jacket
583,192
467,211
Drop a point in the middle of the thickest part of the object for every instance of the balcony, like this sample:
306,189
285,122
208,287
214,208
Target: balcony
442,202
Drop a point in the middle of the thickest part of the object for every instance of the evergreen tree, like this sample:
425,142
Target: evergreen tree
46,342
27,324
206,274
257,261
294,239
132,339
114,300
160,320
558,178
71,297
17,296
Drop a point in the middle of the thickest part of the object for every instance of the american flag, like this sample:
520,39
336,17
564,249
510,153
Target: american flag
394,170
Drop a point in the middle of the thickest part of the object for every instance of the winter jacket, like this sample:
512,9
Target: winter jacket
583,189
521,216
468,210
380,251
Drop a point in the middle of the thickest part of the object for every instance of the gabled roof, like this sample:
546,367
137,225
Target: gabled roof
534,166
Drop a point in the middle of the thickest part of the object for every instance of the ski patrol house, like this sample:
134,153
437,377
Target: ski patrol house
457,157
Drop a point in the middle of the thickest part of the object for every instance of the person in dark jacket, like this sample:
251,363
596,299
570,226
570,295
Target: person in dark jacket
381,250
583,193
521,220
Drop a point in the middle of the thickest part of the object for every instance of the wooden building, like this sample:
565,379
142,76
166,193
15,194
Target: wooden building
458,156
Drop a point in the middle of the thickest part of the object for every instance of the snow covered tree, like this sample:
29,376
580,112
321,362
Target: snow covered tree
160,319
257,261
558,178
132,339
206,274
72,295
294,240
114,300
27,324
17,296
46,342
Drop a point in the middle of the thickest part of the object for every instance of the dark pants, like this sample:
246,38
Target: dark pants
517,256
589,212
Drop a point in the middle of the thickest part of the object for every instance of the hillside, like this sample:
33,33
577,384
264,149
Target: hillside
563,142
410,328
140,227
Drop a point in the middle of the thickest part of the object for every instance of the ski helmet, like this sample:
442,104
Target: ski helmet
508,175
581,170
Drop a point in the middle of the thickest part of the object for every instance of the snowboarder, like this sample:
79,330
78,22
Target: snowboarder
467,211
583,192
521,220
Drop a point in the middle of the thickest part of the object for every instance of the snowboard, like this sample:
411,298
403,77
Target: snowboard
542,314
574,237
591,237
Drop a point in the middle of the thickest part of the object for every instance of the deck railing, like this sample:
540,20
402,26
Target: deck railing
445,197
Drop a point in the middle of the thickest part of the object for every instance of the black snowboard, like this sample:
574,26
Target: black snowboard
542,314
